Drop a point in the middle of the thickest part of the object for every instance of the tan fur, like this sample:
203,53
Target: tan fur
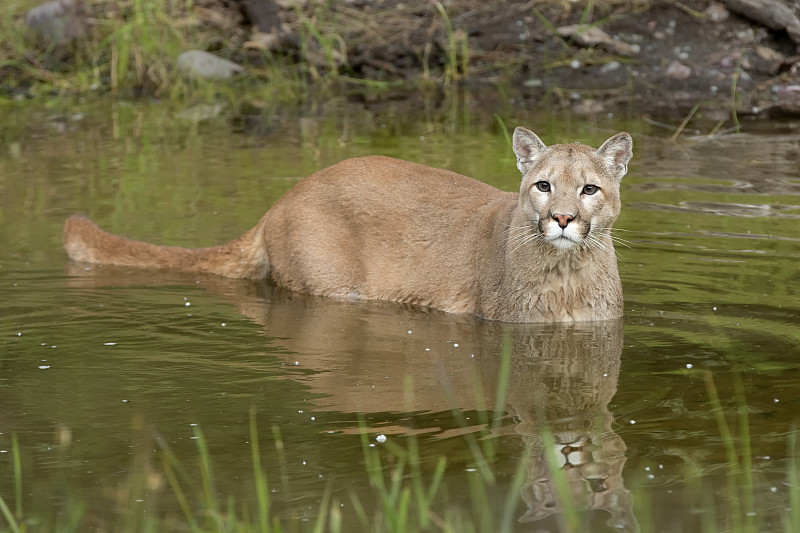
381,228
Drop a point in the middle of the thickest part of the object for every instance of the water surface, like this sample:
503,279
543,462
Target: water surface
101,368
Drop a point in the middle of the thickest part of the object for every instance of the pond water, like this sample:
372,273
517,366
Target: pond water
113,382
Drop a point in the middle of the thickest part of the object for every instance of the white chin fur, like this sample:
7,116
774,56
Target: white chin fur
562,240
563,244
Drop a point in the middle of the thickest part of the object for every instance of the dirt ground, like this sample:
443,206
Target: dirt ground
663,55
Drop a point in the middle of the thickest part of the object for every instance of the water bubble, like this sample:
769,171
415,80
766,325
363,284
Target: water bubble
633,421
381,438
455,345
409,332
688,365
44,367
187,304
109,344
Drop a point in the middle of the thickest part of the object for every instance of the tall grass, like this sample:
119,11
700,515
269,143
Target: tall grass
131,51
456,49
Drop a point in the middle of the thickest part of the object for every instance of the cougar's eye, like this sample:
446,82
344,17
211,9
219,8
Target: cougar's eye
590,189
542,186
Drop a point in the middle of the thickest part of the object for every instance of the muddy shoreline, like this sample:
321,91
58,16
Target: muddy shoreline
665,58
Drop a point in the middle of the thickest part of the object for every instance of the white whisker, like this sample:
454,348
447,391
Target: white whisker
529,238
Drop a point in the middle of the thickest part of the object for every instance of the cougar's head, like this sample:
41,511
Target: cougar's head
570,192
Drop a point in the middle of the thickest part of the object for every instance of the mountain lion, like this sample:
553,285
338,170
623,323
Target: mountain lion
380,228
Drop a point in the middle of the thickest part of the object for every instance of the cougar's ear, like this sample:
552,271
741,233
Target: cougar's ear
527,147
616,152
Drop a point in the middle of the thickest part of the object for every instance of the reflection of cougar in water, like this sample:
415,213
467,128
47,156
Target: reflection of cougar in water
561,380
388,359
562,383
384,229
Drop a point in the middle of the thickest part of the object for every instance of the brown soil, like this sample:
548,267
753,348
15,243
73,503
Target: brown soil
664,55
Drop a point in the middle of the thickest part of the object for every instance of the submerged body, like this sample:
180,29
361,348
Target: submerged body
382,228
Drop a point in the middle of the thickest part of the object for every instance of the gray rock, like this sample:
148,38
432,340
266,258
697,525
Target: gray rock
678,71
199,64
592,36
60,21
716,12
610,67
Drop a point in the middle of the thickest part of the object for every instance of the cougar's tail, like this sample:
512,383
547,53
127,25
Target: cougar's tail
244,257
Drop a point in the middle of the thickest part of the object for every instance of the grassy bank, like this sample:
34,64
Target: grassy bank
130,51
131,46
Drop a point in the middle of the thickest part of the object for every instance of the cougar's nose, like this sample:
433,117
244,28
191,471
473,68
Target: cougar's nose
562,220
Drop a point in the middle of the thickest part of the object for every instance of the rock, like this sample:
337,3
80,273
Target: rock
772,60
716,12
768,54
773,14
60,21
678,71
788,98
200,64
610,67
263,41
593,36
262,14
